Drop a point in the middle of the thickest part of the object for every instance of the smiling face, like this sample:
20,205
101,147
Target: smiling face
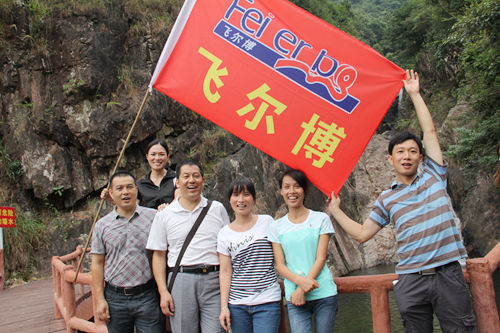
123,191
242,202
405,158
157,157
190,182
292,192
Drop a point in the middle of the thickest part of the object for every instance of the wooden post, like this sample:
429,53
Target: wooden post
69,301
56,285
483,295
381,315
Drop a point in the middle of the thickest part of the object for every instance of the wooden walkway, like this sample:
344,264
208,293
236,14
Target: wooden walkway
29,309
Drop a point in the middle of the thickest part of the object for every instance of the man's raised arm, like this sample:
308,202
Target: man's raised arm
360,232
430,140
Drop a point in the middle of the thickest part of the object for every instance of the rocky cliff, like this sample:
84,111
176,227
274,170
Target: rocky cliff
69,96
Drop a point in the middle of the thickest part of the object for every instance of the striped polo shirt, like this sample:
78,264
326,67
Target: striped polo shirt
123,242
423,218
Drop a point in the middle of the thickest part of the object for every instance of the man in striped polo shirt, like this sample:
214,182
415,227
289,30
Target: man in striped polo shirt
429,243
122,279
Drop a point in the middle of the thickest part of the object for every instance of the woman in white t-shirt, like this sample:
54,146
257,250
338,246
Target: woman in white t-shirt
249,289
300,244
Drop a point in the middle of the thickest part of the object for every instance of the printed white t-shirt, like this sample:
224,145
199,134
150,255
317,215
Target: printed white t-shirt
253,280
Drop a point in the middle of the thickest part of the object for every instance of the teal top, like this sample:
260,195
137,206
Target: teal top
300,243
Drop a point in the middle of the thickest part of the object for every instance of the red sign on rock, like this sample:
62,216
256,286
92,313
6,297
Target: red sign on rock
7,217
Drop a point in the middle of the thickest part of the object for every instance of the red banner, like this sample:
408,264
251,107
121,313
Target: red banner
7,217
281,79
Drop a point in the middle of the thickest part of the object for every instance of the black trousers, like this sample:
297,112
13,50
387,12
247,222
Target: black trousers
445,293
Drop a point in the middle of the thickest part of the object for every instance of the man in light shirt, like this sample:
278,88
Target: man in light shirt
194,300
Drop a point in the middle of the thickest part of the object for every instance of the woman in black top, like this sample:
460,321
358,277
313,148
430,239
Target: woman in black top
157,187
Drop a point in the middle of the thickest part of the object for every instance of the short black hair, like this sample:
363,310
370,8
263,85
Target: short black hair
155,142
187,162
298,176
120,173
402,137
239,185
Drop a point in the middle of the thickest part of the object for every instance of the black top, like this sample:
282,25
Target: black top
151,195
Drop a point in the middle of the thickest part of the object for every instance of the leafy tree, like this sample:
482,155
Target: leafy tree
475,34
339,15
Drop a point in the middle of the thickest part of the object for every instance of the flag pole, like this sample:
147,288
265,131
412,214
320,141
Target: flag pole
101,204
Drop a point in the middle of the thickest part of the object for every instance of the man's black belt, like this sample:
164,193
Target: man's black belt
130,291
199,269
434,270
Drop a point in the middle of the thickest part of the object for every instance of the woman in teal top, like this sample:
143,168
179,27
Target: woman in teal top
300,244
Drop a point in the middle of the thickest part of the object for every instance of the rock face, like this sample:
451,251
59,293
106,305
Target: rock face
68,101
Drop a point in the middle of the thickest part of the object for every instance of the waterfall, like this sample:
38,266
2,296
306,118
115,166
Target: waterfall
400,103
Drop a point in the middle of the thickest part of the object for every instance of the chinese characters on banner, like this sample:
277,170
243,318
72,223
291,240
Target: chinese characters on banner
7,217
281,79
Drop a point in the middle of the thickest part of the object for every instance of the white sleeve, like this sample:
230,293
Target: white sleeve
273,233
157,239
225,216
222,242
326,224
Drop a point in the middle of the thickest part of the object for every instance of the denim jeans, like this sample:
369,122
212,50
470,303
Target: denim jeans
261,318
323,311
141,310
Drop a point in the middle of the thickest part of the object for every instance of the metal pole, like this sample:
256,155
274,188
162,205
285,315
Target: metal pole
1,260
96,217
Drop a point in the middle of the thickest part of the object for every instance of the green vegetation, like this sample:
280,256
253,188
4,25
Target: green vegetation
58,190
372,20
21,244
475,36
9,167
38,12
6,27
460,38
152,16
339,14
108,104
455,45
73,86
125,77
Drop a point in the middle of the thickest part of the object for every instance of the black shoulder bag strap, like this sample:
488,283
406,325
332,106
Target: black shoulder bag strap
190,235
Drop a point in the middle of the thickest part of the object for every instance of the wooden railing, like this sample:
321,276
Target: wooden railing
74,302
